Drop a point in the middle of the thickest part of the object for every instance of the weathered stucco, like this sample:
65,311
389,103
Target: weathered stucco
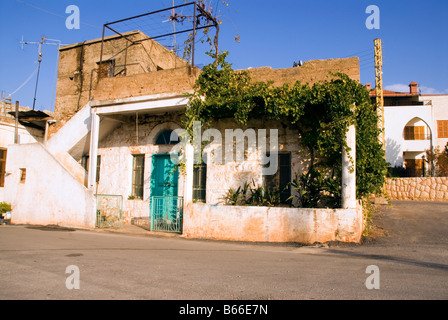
261,224
219,181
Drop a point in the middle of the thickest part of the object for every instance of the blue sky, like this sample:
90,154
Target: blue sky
272,33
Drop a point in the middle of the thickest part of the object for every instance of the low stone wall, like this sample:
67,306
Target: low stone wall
424,189
261,224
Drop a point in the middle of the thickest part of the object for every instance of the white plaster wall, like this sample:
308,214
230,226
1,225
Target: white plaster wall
396,118
222,177
117,151
50,195
439,112
72,132
261,224
26,135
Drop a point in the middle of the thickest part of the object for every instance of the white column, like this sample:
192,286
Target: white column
93,155
349,171
189,171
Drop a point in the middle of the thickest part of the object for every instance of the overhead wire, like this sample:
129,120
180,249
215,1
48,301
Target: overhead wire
54,14
25,83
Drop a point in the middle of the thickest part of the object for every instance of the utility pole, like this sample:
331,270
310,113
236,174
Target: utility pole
379,89
38,70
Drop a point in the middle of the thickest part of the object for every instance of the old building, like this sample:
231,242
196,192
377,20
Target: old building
118,102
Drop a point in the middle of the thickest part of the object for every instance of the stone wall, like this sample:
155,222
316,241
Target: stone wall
178,80
79,64
424,189
311,72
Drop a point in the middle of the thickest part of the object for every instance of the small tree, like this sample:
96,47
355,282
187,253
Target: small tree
442,163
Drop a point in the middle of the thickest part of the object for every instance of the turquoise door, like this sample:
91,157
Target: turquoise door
166,206
164,177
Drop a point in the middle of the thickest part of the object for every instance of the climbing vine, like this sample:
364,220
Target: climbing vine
321,114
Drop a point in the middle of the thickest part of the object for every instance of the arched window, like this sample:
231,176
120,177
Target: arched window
164,138
416,129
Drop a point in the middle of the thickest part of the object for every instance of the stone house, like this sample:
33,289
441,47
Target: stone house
110,148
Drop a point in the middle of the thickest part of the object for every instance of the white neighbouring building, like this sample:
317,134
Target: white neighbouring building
30,129
413,123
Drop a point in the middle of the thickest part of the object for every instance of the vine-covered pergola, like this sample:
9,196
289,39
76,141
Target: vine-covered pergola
324,116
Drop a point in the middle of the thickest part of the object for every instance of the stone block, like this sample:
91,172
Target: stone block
432,194
417,193
440,195
424,195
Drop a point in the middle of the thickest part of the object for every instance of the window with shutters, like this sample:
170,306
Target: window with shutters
442,128
414,133
3,153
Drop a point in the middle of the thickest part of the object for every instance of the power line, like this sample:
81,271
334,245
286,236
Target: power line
25,83
357,53
55,14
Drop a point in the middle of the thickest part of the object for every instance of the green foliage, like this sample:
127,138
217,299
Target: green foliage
252,195
321,114
5,207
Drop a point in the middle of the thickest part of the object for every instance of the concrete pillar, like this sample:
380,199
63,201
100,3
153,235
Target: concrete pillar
93,155
189,172
349,171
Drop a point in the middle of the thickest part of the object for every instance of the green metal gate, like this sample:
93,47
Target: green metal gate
109,211
167,214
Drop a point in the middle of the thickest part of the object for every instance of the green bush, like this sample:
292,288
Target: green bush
5,207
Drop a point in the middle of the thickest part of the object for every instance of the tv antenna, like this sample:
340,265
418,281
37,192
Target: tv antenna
43,41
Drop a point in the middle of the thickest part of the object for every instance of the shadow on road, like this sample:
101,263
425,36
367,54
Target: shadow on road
392,259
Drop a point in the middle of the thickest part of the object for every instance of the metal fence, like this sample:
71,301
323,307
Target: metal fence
167,214
109,211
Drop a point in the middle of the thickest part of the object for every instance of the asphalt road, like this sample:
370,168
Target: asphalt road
408,247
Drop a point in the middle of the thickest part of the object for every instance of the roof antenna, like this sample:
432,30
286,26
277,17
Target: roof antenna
40,43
